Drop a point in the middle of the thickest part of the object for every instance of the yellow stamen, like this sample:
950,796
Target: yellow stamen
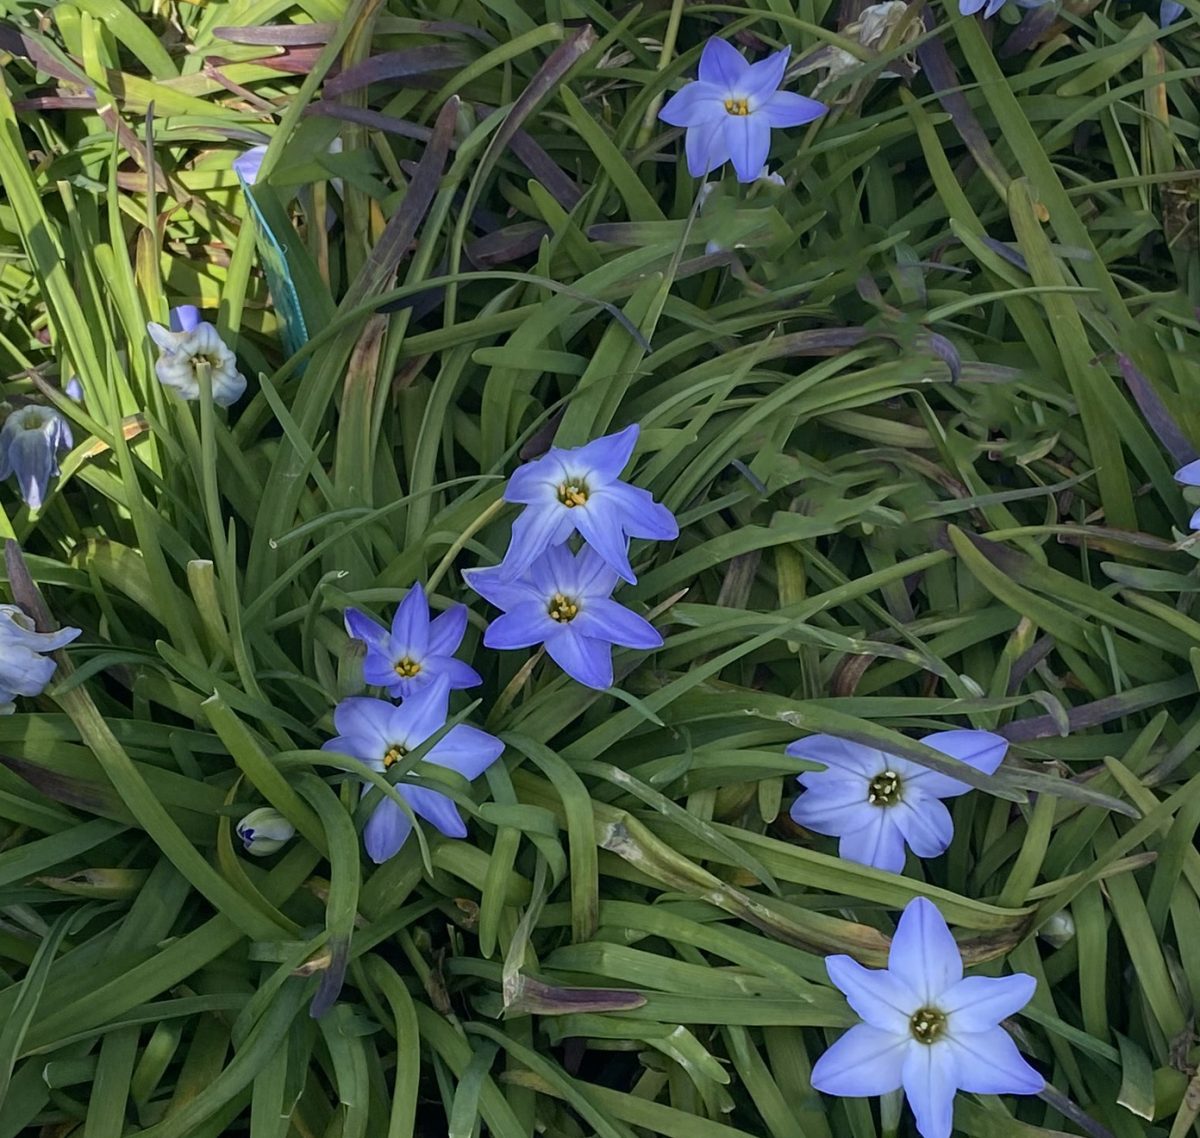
563,608
573,493
407,668
395,753
738,107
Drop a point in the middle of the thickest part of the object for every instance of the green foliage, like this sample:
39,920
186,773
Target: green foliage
897,423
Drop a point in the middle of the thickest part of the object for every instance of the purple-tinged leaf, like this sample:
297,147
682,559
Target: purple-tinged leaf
1155,413
507,245
376,120
545,170
1031,30
524,995
278,35
391,66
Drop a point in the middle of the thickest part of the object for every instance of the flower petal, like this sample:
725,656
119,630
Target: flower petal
877,843
641,515
970,7
590,575
839,754
982,750
366,722
1189,475
1169,11
925,823
422,713
880,998
722,65
467,750
185,318
978,1003
748,138
410,625
603,459
786,108
523,627
930,1078
498,587
583,659
435,808
989,1063
834,808
705,148
762,79
865,1061
923,953
386,831
604,619
362,627
693,105
600,523
446,631
533,483
459,674
536,529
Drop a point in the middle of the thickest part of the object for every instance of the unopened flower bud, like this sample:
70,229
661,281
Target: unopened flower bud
265,830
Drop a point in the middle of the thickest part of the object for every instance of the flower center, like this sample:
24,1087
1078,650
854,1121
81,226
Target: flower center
573,492
33,422
884,789
395,753
739,107
562,608
927,1025
406,667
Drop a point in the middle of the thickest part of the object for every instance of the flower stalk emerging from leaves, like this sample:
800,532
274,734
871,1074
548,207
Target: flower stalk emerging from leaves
380,734
188,345
876,803
728,112
565,602
30,441
580,490
925,1028
25,666
417,650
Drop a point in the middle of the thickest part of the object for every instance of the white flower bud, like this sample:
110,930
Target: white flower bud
265,830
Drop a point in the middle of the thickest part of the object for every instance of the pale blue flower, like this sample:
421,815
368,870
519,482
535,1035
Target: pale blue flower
30,441
247,165
580,489
876,802
1169,11
925,1028
190,342
265,830
25,665
565,602
728,112
379,733
416,650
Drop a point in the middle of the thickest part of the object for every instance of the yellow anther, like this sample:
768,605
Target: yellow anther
737,106
407,668
563,608
572,494
395,753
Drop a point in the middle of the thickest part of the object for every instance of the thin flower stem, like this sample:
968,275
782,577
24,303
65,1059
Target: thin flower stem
460,542
664,61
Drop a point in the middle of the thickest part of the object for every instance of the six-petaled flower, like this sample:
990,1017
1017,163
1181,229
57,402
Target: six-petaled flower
728,112
925,1028
876,802
565,602
416,650
25,664
580,489
188,345
30,441
379,734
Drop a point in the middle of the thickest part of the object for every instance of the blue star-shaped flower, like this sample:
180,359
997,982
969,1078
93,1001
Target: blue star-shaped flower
379,733
565,602
417,650
925,1028
580,490
729,110
876,802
